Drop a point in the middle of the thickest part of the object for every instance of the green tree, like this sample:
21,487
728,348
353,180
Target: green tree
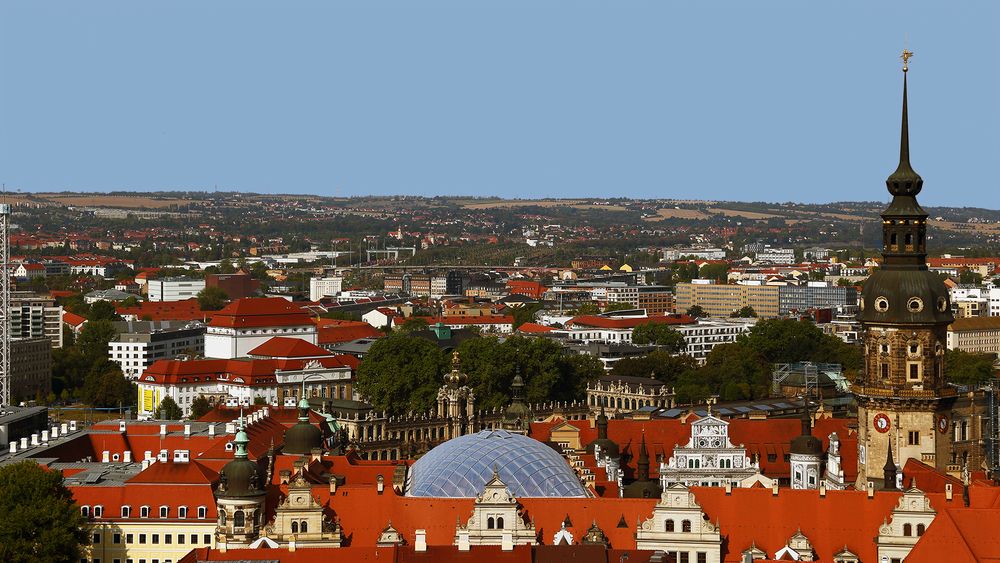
717,272
744,312
525,314
696,311
94,339
103,311
587,309
168,410
844,282
199,407
131,301
617,306
970,277
105,386
41,523
659,334
660,364
401,374
413,324
259,401
212,298
968,369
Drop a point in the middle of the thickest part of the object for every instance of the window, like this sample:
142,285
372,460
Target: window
489,525
239,519
85,511
156,538
907,529
914,371
702,557
164,511
771,458
182,512
167,538
98,511
194,538
686,526
202,512
129,538
913,438
96,538
142,538
180,538
116,538
885,371
207,539
920,529
144,512
126,511
499,524
669,526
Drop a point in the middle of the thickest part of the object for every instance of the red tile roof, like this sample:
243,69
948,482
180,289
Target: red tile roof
285,347
344,331
187,310
260,312
73,320
533,328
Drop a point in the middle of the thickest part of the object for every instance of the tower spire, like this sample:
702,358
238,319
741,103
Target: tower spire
904,181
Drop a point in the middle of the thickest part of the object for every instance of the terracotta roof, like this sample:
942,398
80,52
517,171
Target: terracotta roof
260,312
631,322
186,310
533,328
73,320
975,323
285,347
344,331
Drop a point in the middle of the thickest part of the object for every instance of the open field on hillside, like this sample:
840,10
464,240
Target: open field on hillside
98,200
574,203
669,213
744,214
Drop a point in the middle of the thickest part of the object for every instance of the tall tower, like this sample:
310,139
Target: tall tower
902,395
5,382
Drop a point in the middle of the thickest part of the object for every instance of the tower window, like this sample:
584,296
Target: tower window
913,369
892,239
885,371
909,239
913,438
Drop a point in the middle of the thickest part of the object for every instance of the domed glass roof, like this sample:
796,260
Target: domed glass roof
461,467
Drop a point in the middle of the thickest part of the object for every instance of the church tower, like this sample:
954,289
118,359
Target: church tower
902,395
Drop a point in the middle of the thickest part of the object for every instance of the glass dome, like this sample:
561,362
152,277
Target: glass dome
461,467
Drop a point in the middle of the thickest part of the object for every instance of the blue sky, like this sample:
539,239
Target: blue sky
774,101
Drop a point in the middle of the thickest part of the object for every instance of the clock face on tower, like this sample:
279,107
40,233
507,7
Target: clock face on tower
881,422
942,424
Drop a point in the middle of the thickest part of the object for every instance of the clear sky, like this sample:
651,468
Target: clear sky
746,100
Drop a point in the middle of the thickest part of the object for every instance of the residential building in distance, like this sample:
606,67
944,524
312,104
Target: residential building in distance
971,300
247,323
671,254
30,368
722,300
814,295
423,285
977,335
112,295
237,285
655,299
34,316
325,287
140,343
29,270
776,255
706,334
173,289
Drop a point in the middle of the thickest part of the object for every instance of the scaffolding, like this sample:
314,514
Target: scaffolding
5,382
992,438
809,373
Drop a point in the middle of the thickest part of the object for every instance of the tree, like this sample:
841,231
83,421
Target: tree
660,364
586,309
212,298
199,407
413,324
617,306
744,312
717,272
259,401
844,282
105,386
968,369
525,314
970,277
131,301
659,334
168,410
41,522
94,339
401,373
103,311
696,311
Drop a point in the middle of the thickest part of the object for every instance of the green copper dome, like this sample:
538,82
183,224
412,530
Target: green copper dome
303,437
240,478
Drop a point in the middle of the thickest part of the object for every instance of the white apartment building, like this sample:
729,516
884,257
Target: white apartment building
325,287
672,254
702,337
776,255
174,289
143,342
33,316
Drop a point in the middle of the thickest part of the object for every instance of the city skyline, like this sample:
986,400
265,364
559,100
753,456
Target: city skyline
594,102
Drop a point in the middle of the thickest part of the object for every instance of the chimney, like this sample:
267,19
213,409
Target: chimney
729,488
64,428
822,489
316,454
948,492
187,429
13,447
463,540
72,426
45,436
163,430
105,456
127,456
420,544
291,545
24,443
774,488
121,426
871,489
380,484
55,432
222,547
333,484
211,430
148,455
285,475
34,439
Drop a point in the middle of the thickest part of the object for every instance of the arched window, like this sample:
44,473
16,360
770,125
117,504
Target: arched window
907,530
239,519
295,527
500,522
304,527
920,529
892,239
669,526
686,526
908,239
489,523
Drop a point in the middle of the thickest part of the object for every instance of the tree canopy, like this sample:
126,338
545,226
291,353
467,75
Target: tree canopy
212,298
168,410
965,368
199,407
40,521
659,334
401,374
696,311
744,312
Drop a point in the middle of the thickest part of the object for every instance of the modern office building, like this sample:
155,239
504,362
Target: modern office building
34,316
814,295
140,343
174,289
325,287
722,300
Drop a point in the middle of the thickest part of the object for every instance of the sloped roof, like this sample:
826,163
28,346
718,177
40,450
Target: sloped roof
285,347
534,328
630,322
73,319
186,310
260,312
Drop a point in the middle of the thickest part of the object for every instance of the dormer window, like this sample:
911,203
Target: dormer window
85,511
202,512
126,511
182,512
164,511
144,512
98,511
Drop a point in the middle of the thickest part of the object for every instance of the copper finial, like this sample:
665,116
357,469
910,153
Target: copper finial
906,56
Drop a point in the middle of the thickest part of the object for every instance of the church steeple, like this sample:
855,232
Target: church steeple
904,181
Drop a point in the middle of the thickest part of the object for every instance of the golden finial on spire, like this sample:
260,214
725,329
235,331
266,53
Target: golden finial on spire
906,56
